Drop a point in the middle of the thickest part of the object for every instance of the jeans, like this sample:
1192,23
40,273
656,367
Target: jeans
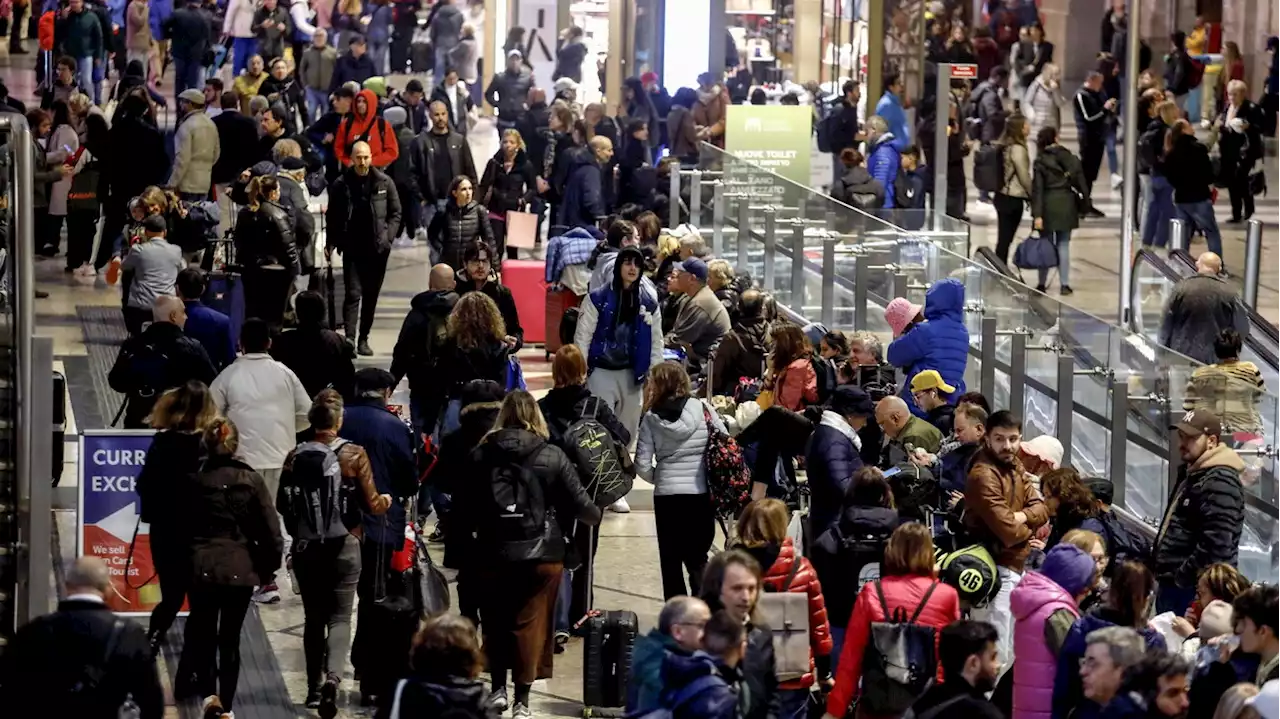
1113,163
837,645
1144,197
327,575
793,703
1199,215
1008,216
1061,238
84,72
186,75
363,276
99,74
442,63
211,641
317,104
998,614
242,48
378,53
685,527
1155,223
1172,598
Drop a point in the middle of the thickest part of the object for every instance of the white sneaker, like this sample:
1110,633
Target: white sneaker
85,270
420,235
498,699
268,594
521,711
620,506
1116,181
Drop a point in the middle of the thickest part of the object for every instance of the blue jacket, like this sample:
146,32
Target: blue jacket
941,344
890,109
712,698
213,330
389,443
572,248
831,460
379,29
160,12
1067,692
883,164
605,300
583,198
954,473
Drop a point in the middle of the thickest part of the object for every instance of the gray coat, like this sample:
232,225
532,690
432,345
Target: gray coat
1201,307
669,451
991,111
196,149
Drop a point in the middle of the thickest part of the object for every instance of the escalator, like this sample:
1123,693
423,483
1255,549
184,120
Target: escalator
1262,334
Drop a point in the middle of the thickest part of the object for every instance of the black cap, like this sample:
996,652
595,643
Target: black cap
373,379
292,163
154,223
413,86
356,39
344,91
848,399
1102,489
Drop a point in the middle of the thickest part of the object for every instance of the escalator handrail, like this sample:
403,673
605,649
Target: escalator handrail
1255,319
1157,262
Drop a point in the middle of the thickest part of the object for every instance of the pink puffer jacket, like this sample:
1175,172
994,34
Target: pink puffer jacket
1034,599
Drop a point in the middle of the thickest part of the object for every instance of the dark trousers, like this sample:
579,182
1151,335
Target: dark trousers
517,602
1172,598
409,222
375,583
500,238
135,318
685,525
778,432
212,641
186,75
1092,150
81,226
175,579
48,232
15,28
266,293
362,275
1008,217
328,573
1241,197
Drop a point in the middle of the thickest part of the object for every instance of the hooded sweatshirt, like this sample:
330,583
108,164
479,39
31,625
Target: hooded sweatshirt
669,453
368,127
883,162
858,188
941,343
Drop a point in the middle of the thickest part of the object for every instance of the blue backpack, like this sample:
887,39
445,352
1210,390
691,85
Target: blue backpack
674,700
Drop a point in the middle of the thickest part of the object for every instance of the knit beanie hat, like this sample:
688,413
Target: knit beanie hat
1215,620
395,116
1069,567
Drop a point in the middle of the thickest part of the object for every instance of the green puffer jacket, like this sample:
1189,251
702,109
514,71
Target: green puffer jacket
1057,181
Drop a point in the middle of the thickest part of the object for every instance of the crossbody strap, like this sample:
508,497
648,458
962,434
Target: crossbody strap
884,606
923,602
791,576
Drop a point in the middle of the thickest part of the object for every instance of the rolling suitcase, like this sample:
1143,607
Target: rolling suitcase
558,302
225,289
608,640
529,290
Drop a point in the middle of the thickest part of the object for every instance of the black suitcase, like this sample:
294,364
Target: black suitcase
606,662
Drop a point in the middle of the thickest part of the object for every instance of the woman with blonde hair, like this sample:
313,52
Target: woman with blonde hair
670,451
475,349
762,533
1043,101
1237,702
509,184
266,251
166,485
328,565
907,584
236,545
521,505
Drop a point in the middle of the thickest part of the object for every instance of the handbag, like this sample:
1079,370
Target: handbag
515,374
522,229
1258,184
1036,253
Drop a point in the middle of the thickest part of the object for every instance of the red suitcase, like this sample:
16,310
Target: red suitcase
525,280
557,302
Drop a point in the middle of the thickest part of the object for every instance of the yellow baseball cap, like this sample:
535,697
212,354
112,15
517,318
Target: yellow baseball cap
930,379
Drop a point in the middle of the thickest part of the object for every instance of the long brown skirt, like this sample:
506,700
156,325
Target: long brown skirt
517,602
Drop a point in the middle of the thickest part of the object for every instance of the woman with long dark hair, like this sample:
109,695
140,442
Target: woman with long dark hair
638,106
1010,200
463,221
1058,191
266,251
1070,503
444,674
1190,171
508,185
166,486
60,148
476,349
236,544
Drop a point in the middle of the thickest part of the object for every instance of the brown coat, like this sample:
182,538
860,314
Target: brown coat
354,462
712,115
992,496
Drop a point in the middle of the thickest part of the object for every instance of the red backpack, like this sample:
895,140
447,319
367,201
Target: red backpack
728,478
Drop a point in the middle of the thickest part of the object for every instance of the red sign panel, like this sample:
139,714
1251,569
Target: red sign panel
964,72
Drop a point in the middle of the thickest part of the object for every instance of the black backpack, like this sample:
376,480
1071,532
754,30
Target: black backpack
828,127
899,661
1123,545
915,489
569,324
317,505
988,167
518,525
149,370
825,370
973,113
604,467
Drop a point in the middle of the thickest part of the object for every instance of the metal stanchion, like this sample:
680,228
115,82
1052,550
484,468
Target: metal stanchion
770,244
695,198
1252,262
1066,398
987,373
861,278
899,277
797,265
717,219
1119,426
1018,371
828,316
744,228
673,196
1177,235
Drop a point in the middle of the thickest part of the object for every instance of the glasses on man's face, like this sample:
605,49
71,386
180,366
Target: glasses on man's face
1091,663
697,625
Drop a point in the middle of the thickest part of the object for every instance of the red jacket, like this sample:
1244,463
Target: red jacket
806,582
905,592
370,127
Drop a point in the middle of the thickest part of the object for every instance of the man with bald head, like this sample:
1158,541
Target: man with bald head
584,199
158,359
363,214
421,342
1202,305
680,628
437,155
49,657
906,434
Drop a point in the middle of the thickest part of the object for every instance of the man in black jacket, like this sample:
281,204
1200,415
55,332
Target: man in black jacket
436,156
364,209
322,132
845,125
354,65
81,660
733,584
160,358
314,352
967,652
421,338
1201,307
1205,514
238,150
1177,69
477,276
508,91
1093,112
189,39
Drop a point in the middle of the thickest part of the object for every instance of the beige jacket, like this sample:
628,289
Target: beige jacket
138,27
1017,172
196,149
